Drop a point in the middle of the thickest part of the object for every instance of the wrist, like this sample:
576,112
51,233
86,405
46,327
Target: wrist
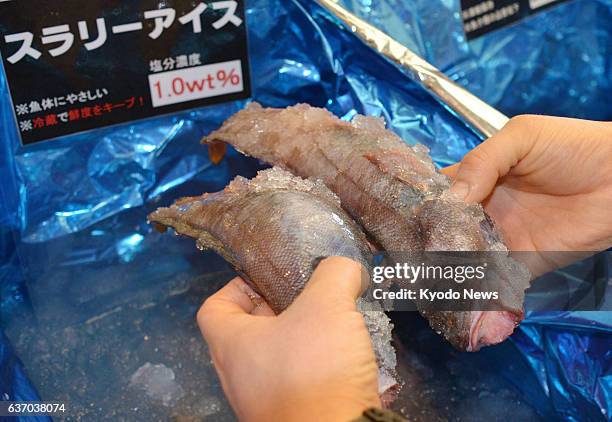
328,410
332,405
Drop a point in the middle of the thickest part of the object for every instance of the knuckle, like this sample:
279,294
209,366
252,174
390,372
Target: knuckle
523,121
528,129
475,159
528,125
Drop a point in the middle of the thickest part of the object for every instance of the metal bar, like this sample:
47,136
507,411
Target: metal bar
482,118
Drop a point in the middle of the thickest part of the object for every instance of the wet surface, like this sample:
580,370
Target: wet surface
146,361
140,361
442,384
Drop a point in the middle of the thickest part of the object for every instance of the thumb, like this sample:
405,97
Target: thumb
336,284
480,169
230,310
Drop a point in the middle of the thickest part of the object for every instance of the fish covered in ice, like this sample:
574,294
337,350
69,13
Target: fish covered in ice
273,230
391,189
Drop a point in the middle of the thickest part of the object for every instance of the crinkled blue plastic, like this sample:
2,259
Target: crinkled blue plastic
14,383
569,355
554,62
11,289
78,204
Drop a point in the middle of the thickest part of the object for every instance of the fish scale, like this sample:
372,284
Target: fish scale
391,189
299,222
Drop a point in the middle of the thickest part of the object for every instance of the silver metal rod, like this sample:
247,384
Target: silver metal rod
482,118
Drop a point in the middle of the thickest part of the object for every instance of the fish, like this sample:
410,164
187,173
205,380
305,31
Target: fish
274,229
392,190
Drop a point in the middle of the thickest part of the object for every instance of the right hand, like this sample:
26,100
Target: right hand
312,362
545,181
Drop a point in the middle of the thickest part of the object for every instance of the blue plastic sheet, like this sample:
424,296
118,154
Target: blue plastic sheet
78,204
14,383
554,62
11,286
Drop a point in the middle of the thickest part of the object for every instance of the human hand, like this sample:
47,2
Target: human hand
312,362
545,181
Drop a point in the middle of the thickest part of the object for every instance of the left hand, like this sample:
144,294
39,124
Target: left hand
547,184
314,361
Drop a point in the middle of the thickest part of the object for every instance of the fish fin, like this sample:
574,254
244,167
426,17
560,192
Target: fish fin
160,228
216,150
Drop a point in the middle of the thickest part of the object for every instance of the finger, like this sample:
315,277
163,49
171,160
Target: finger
258,305
236,295
228,310
262,308
480,169
337,282
450,171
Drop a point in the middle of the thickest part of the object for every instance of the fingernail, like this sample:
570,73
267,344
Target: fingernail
460,189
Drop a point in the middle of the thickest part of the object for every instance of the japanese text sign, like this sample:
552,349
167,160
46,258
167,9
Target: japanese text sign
73,66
